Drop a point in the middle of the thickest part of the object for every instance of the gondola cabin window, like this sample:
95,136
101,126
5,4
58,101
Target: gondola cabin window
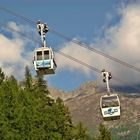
110,101
39,55
46,55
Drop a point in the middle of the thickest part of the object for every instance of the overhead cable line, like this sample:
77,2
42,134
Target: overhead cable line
17,15
76,42
96,51
72,58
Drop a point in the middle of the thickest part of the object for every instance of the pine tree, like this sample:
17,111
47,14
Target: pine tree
28,78
41,85
22,115
31,114
2,75
8,103
61,120
80,132
105,134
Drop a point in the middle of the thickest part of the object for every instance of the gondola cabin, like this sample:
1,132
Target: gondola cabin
44,62
110,106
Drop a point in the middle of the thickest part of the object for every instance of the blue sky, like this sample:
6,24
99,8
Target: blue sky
91,21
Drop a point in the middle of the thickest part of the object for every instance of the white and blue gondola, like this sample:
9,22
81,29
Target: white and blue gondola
44,61
110,106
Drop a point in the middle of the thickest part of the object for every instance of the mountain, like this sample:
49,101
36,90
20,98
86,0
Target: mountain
83,104
85,89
